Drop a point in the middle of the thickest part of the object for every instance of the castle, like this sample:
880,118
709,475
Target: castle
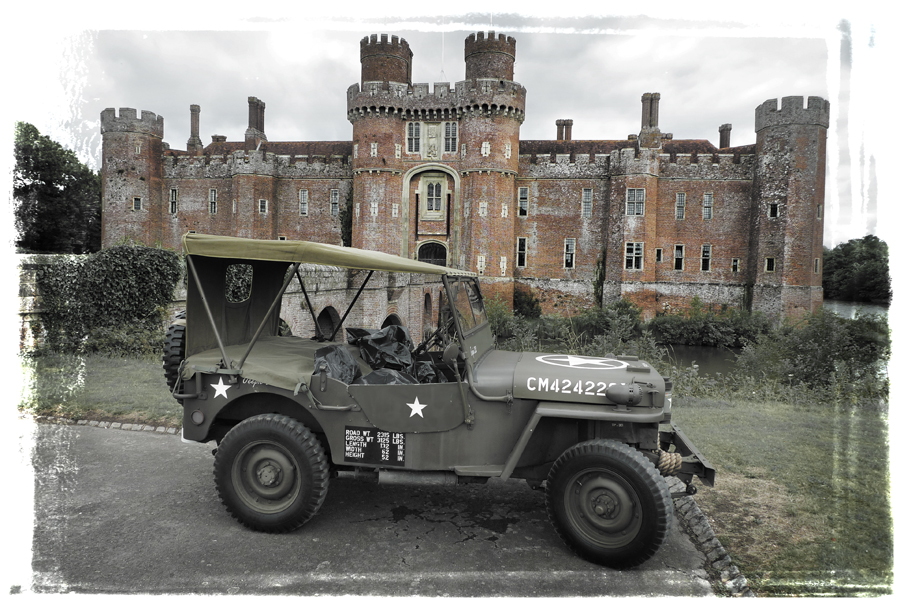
438,173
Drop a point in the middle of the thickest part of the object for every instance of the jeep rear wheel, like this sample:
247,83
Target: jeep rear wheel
173,352
271,473
609,503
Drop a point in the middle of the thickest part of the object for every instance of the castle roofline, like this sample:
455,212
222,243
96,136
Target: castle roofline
606,146
286,148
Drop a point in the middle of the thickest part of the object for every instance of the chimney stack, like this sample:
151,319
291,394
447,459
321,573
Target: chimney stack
725,136
256,127
194,144
564,129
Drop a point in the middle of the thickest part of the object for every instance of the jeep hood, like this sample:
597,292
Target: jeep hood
570,378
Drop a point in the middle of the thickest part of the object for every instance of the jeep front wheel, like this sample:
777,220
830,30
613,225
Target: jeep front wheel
609,503
271,473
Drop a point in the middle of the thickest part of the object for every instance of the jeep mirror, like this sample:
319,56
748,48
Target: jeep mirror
450,354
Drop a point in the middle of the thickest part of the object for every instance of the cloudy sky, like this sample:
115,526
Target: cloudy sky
710,65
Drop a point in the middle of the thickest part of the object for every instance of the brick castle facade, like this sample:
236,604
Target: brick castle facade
439,173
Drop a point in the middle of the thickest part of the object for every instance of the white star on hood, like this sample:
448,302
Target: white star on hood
221,389
416,408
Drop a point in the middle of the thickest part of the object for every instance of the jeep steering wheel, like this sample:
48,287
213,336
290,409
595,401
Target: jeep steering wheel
432,339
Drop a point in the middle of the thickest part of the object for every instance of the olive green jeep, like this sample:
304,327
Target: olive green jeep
289,413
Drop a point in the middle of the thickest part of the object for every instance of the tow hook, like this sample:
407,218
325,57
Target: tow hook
689,490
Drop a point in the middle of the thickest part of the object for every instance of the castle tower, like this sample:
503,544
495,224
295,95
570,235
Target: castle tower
375,110
788,197
131,176
384,61
489,138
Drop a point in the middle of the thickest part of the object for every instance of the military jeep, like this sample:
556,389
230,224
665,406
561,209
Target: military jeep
289,413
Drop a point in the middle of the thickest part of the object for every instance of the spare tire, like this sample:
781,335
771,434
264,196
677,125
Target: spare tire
173,351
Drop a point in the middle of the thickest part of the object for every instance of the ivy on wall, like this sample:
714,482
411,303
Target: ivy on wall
124,288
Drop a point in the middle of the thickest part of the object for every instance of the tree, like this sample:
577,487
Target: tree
857,271
57,197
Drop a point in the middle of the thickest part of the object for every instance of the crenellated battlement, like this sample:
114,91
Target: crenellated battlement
792,112
256,162
707,166
372,44
481,96
127,121
492,43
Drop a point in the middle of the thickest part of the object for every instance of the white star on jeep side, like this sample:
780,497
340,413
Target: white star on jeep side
221,389
416,408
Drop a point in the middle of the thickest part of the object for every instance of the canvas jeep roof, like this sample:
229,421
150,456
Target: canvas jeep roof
308,252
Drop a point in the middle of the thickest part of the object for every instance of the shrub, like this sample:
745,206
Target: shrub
121,291
526,303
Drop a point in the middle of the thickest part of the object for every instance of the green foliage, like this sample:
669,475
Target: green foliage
111,299
525,303
698,327
57,197
499,316
346,219
238,282
819,351
857,271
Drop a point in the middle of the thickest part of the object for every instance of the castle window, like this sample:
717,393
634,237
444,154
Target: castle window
770,264
304,202
373,149
173,200
481,264
523,202
705,257
634,256
735,264
263,206
282,238
136,203
816,266
679,205
413,136
634,204
569,254
397,151
502,265
659,257
773,210
213,201
507,150
335,203
482,208
818,212
679,257
433,202
707,206
395,209
450,135
486,148
137,149
587,202
521,252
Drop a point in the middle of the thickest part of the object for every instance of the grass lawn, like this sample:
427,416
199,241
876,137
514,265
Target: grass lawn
801,501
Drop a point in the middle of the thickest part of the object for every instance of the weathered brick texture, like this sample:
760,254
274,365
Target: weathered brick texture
438,172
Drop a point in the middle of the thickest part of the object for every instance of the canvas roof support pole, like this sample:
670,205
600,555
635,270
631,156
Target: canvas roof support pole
287,281
309,305
349,308
209,314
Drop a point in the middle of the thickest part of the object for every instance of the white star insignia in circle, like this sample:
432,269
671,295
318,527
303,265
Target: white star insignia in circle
576,362
416,408
221,389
